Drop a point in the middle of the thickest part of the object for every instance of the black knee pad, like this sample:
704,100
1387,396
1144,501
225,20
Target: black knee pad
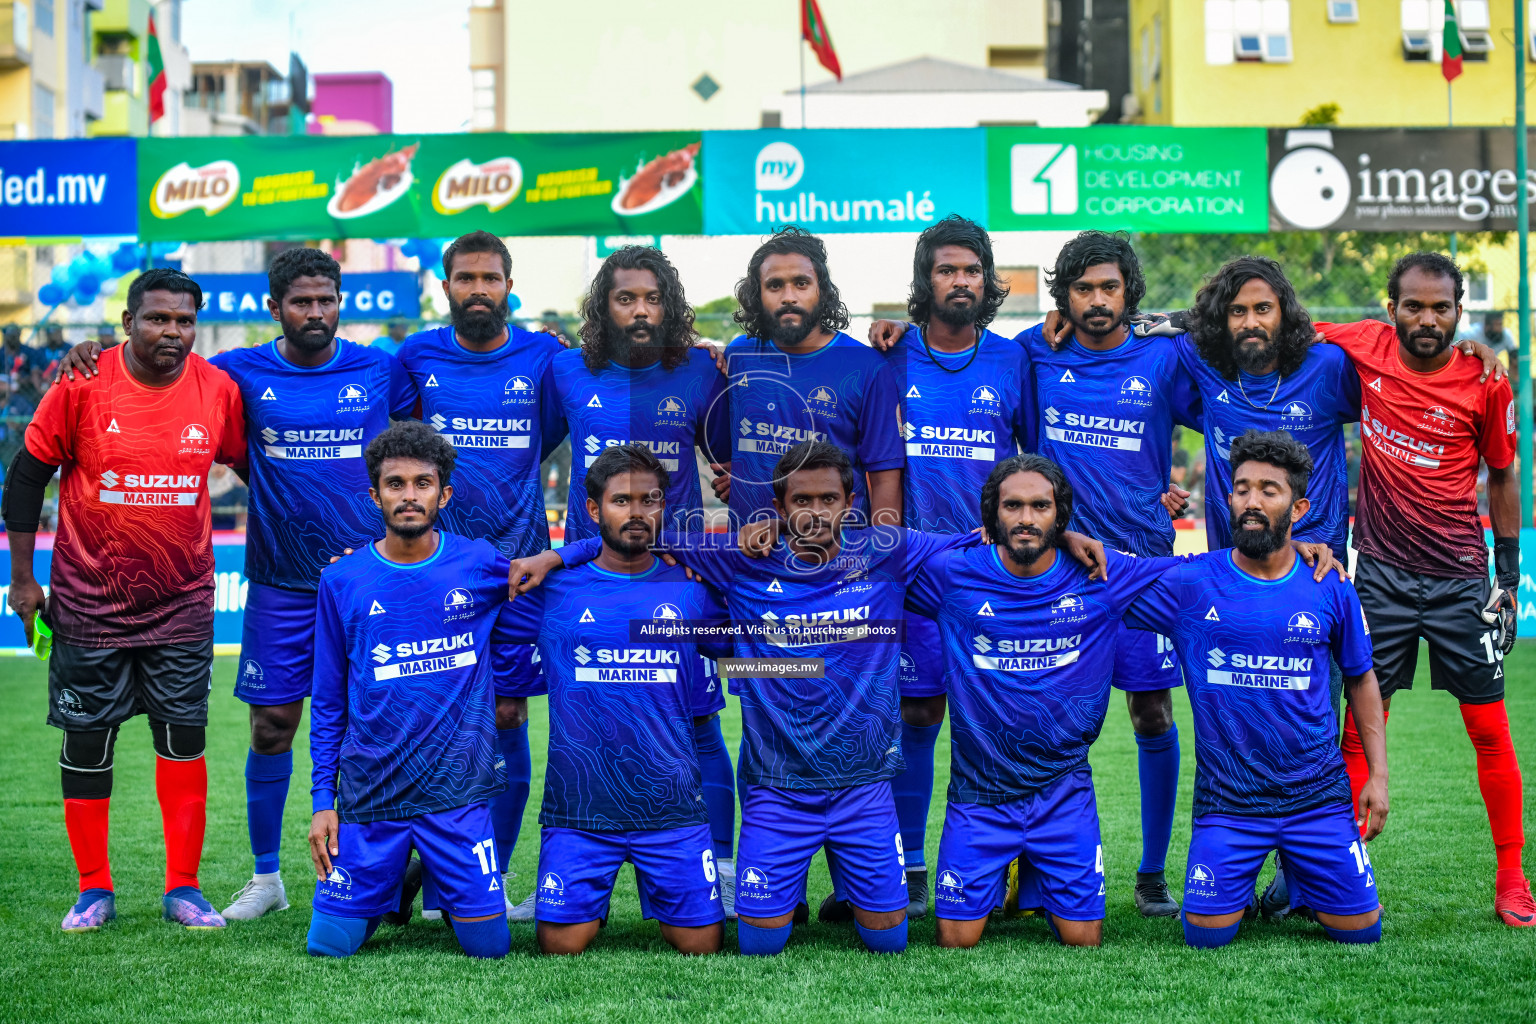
178,742
85,760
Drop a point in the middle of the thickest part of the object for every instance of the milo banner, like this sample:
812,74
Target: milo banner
394,186
1127,177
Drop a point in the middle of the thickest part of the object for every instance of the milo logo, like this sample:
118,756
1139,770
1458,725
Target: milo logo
209,188
492,184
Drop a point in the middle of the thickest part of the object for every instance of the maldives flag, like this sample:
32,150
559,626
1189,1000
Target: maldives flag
156,75
814,29
1450,45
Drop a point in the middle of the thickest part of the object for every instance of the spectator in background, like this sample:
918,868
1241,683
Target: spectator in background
18,357
1179,474
227,496
1492,333
106,337
45,367
390,341
552,323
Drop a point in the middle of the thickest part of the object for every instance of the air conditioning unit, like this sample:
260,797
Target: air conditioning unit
1476,45
1248,47
1416,45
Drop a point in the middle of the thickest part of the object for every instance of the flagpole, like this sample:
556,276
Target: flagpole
1450,122
802,79
1523,225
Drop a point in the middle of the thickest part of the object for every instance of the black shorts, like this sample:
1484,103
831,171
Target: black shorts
1402,606
99,687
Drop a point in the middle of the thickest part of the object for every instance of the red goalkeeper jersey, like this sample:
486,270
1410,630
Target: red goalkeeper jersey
1422,435
133,558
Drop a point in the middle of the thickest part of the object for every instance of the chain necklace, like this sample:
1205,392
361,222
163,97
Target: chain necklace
922,332
1266,405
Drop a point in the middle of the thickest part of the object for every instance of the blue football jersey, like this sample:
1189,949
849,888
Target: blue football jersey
1107,418
1314,404
963,413
403,716
666,410
306,428
498,409
843,393
621,750
1255,658
1027,664
843,728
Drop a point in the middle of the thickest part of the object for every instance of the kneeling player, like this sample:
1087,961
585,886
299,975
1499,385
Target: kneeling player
403,719
1254,635
622,781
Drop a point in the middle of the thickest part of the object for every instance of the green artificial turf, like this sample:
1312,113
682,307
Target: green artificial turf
1443,956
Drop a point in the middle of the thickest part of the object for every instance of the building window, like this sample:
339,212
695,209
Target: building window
42,112
1420,21
1248,30
1343,12
1473,20
42,16
483,81
1023,290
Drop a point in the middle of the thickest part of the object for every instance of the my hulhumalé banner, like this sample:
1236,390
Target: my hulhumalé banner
391,186
1127,177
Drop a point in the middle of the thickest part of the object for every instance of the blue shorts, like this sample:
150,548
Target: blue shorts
277,645
515,668
1144,661
675,869
922,658
1056,831
708,696
1325,862
456,849
781,830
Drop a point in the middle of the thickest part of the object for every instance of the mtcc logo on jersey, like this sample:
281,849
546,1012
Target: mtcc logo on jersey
194,434
950,886
1202,881
457,600
671,410
339,877
667,611
825,396
518,389
1304,623
352,394
1295,412
986,398
1136,390
251,673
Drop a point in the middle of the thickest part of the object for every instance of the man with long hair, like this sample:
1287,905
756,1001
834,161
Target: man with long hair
639,379
795,377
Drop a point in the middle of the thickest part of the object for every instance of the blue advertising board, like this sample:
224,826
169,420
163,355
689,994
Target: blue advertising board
68,188
230,298
836,181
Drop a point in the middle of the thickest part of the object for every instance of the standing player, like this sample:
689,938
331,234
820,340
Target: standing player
965,396
1107,403
483,385
622,781
1252,632
1425,423
402,721
131,602
795,377
639,378
312,402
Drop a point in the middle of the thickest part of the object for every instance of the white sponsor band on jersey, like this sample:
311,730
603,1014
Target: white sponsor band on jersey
422,666
1024,664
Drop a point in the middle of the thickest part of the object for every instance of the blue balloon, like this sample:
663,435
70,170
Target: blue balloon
125,259
513,302
51,294
63,276
88,283
85,296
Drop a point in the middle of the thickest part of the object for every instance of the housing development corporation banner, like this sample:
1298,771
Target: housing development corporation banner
637,184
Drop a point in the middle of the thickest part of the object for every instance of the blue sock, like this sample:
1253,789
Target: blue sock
1208,938
89,897
192,894
913,789
755,941
1370,933
1158,761
266,791
486,940
507,806
331,935
884,940
719,784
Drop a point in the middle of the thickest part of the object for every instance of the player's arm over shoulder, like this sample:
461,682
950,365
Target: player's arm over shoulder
1356,338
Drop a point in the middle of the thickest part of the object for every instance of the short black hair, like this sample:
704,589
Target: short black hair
1061,490
302,262
789,241
162,279
812,455
954,230
477,241
1434,263
624,458
410,439
1279,449
1089,249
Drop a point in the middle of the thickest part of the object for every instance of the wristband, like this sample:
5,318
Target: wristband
1506,562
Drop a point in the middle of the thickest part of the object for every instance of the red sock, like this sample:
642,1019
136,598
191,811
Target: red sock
86,822
1498,776
1354,762
183,790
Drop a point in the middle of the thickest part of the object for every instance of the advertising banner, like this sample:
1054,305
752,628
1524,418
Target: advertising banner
396,186
1394,179
231,298
67,188
836,181
1118,177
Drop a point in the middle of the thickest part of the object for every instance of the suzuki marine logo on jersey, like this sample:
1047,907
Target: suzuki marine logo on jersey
518,389
194,438
1258,671
422,657
593,444
583,655
438,422
981,642
269,435
1216,656
1136,390
149,488
1034,654
110,479
380,651
1296,412
353,396
1305,624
